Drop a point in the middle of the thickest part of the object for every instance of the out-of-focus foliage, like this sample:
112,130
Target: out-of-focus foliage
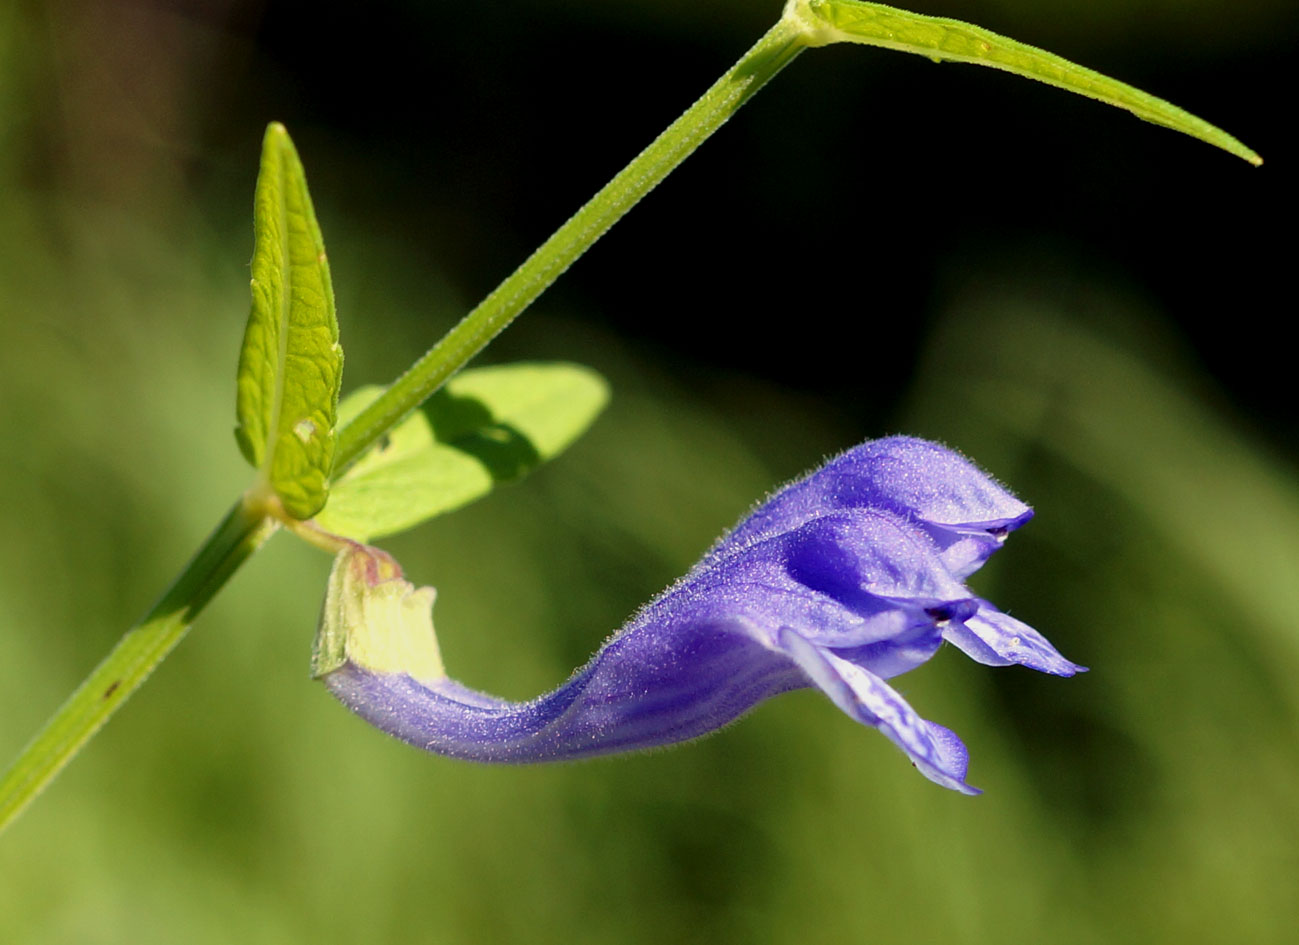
1091,336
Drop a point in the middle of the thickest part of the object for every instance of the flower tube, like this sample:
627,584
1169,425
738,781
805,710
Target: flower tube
841,580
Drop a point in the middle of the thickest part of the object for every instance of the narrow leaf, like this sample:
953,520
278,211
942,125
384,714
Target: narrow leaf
486,426
291,363
874,24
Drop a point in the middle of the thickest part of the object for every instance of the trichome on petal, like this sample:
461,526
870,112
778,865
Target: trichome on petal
841,580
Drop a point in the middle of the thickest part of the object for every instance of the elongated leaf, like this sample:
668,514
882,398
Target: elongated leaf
874,24
291,364
486,426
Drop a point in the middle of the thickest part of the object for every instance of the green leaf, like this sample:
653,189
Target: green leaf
874,24
486,426
291,364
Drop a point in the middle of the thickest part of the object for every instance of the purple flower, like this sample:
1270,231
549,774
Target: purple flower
841,580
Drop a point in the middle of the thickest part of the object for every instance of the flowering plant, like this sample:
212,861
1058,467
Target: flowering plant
842,580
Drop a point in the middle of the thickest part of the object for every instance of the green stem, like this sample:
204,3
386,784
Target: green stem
143,647
768,56
250,522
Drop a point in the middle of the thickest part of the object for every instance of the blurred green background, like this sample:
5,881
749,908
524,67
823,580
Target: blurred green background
1080,302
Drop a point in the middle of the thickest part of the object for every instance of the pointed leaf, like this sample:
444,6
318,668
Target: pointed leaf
291,364
486,426
874,24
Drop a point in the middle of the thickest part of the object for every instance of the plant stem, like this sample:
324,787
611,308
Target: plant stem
142,648
249,523
768,56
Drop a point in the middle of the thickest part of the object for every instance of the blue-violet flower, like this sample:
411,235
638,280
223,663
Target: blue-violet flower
841,580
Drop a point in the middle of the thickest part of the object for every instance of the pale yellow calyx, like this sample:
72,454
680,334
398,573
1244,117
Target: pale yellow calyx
376,620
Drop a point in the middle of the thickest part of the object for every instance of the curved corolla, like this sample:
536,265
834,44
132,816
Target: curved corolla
841,580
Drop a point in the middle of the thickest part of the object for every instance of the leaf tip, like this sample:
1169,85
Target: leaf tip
1232,146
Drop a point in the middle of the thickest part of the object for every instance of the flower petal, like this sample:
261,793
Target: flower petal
997,639
966,513
935,751
847,579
